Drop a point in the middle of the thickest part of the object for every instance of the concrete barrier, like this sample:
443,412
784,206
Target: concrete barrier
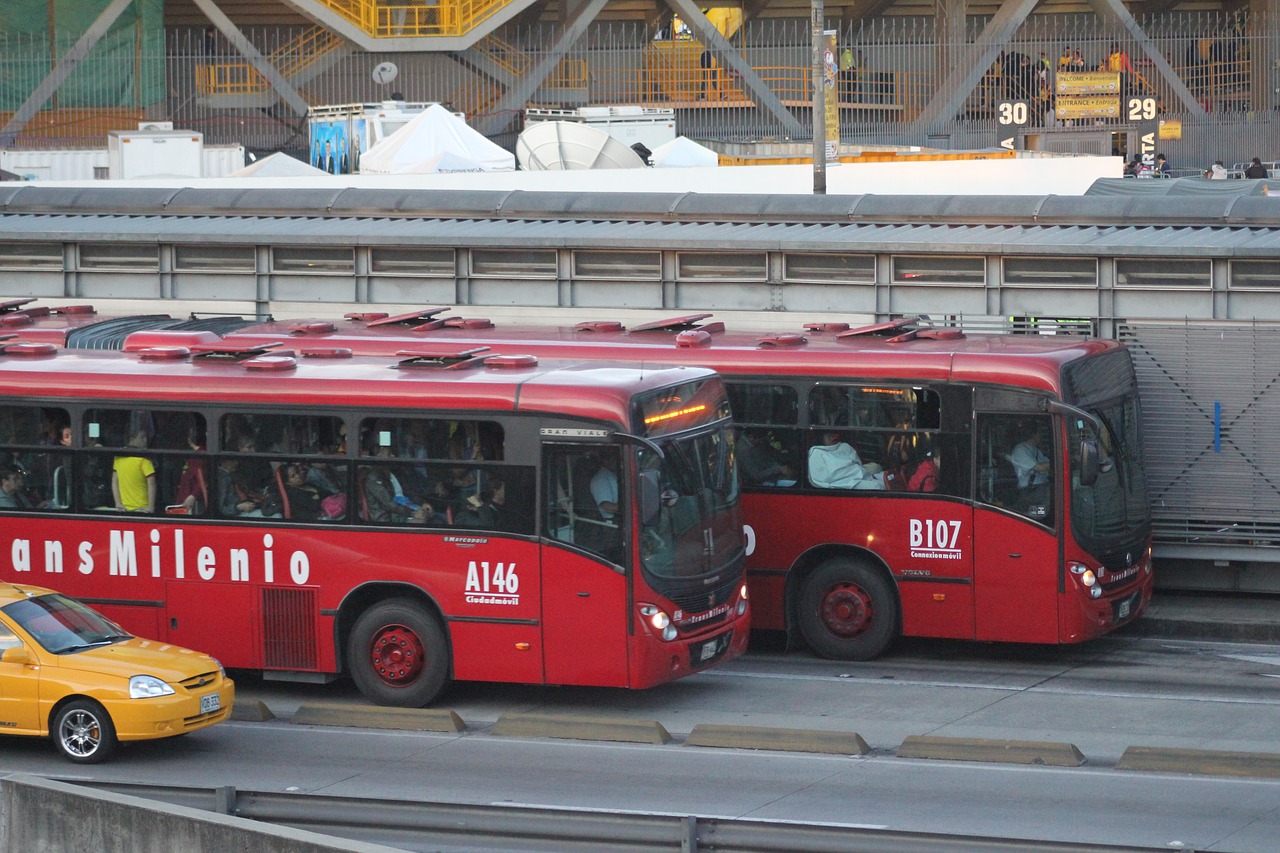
377,717
581,728
997,751
251,712
785,740
56,816
1204,762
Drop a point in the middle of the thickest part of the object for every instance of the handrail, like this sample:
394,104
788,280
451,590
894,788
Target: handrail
404,20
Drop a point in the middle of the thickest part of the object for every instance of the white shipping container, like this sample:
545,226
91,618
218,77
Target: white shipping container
135,154
86,164
222,160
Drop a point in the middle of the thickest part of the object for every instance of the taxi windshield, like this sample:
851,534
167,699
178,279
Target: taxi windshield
62,625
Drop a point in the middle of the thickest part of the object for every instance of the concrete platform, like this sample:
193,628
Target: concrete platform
1246,618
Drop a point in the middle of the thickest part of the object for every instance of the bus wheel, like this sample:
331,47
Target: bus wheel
848,611
83,732
398,654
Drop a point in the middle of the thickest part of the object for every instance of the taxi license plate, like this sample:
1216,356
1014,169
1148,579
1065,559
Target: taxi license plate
210,702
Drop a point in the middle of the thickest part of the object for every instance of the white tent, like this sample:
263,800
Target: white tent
683,152
435,141
277,165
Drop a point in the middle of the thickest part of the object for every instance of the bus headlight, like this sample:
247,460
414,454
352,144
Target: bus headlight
661,622
1087,578
742,600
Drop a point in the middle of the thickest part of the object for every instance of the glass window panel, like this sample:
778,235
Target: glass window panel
1051,272
120,256
619,264
313,259
426,262
26,256
935,269
213,258
766,405
513,263
1159,274
722,266
833,268
1263,275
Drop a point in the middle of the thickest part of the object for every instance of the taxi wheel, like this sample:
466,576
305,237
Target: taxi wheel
82,731
848,610
398,654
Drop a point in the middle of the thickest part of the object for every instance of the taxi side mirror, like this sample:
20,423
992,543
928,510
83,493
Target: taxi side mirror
15,654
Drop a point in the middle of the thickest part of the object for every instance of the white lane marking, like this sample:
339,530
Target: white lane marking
1268,660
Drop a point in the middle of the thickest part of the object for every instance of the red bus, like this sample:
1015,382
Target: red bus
954,536
445,515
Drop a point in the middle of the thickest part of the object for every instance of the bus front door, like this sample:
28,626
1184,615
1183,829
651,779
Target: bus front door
1015,571
585,604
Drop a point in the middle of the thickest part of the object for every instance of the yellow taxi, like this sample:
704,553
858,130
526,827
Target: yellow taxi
69,672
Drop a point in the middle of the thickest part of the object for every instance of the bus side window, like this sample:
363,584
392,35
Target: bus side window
584,500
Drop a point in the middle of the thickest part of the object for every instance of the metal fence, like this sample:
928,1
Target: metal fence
1226,61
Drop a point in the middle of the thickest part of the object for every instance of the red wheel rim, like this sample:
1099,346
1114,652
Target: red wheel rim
397,655
846,610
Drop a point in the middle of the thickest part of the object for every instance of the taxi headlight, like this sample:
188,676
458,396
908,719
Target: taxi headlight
148,687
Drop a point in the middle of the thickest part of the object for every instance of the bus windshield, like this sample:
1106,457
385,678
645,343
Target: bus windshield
696,530
1113,512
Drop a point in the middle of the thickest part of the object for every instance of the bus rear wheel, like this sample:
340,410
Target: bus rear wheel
848,610
398,654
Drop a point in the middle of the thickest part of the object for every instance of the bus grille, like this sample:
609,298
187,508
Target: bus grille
288,628
706,599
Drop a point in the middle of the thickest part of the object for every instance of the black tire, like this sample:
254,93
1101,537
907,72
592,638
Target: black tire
398,655
83,732
848,610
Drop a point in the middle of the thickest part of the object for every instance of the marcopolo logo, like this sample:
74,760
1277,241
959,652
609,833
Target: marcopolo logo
935,539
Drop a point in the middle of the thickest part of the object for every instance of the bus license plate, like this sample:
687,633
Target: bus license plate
1122,609
709,650
210,702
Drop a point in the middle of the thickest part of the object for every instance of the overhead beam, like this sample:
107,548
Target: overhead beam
260,63
514,99
63,68
1116,10
971,63
729,57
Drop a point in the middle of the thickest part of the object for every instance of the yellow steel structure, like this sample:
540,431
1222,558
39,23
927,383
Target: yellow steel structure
291,59
404,20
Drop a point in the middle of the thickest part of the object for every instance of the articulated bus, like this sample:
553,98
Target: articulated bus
897,479
444,515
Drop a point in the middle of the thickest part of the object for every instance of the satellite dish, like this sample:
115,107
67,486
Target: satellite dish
564,145
385,72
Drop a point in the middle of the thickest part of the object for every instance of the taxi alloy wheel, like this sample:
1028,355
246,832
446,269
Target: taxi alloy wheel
83,732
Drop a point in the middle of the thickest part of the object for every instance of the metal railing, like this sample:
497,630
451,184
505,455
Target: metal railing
406,20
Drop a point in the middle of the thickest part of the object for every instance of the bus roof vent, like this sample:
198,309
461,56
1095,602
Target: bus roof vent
691,338
826,327
926,335
274,362
441,359
468,323
510,362
600,326
407,319
11,305
677,324
157,338
891,328
326,352
363,317
80,310
162,353
28,348
231,352
16,320
783,339
319,327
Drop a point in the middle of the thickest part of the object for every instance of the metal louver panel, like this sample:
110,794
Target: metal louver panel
289,628
1210,485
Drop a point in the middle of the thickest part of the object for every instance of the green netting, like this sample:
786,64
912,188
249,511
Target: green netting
124,69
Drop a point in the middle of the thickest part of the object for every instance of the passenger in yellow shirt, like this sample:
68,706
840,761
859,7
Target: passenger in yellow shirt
133,479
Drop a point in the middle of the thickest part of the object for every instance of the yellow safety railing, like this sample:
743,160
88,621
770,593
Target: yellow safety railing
290,59
505,55
404,20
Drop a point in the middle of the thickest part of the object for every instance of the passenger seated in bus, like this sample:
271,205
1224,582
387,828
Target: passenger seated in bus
133,478
230,497
13,488
303,500
759,462
192,495
924,478
381,503
488,509
834,464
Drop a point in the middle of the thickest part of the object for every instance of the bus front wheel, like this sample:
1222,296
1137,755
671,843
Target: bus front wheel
398,654
848,611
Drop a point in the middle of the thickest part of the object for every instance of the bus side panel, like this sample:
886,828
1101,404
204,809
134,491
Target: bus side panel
585,617
779,534
1016,575
199,616
141,621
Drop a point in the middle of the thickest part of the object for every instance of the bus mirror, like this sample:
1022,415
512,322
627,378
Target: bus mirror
1088,462
650,497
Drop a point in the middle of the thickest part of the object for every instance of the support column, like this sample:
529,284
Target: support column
948,26
1264,54
1115,9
